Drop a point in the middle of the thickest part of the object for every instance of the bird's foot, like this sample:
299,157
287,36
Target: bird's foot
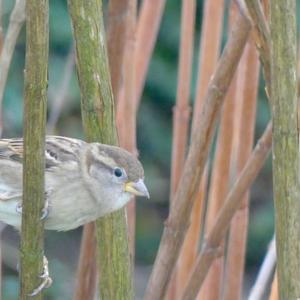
46,279
19,208
45,210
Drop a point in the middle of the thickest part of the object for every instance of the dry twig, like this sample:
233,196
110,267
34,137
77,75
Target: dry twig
210,248
247,87
177,223
261,37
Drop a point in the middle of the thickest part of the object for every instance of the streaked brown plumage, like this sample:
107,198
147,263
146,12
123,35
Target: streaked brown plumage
82,181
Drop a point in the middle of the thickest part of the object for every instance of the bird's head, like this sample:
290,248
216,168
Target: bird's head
115,175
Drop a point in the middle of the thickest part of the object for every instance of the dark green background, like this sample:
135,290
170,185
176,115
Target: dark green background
154,144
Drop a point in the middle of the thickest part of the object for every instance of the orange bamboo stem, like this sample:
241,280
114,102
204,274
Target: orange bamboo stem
210,248
210,51
209,54
219,188
118,12
147,29
177,223
128,108
248,74
182,109
87,270
219,185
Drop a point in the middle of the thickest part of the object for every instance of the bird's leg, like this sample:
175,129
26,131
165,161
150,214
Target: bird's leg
19,208
45,210
47,281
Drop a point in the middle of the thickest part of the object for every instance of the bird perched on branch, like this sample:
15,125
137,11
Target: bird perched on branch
83,181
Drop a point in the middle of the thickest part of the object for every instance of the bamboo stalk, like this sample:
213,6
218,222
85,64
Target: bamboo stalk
248,74
285,145
190,246
146,34
147,30
210,51
219,188
118,14
177,223
128,109
36,82
261,37
265,273
181,115
210,248
99,124
220,181
116,31
86,271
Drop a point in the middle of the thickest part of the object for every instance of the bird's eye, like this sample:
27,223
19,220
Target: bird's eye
118,172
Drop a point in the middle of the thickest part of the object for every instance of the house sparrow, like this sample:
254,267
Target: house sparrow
83,181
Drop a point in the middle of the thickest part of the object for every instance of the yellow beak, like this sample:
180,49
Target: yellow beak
137,188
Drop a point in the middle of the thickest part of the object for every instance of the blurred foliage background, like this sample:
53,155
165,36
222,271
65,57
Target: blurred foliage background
154,144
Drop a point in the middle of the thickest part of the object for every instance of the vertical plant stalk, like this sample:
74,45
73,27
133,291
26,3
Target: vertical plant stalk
87,268
150,15
99,125
16,21
210,248
177,223
128,108
247,87
265,273
116,36
36,82
181,114
118,14
220,180
285,146
218,190
210,50
261,36
209,53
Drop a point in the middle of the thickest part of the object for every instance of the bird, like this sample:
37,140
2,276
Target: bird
83,181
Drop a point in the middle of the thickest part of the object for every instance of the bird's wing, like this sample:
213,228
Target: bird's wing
62,156
58,150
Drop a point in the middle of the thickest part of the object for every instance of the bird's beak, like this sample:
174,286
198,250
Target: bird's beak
137,188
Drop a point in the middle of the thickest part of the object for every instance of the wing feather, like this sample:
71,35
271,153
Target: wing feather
58,150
